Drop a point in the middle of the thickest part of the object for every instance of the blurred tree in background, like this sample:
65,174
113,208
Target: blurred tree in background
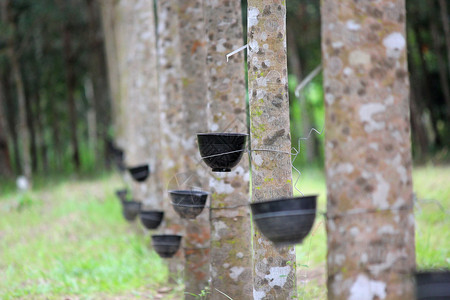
55,105
60,59
429,66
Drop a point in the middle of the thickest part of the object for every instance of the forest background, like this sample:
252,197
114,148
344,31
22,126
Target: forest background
52,61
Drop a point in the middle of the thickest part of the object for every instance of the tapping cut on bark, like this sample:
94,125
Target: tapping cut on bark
231,265
274,268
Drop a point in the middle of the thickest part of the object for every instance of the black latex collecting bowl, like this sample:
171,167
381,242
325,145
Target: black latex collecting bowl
122,194
285,221
433,285
166,245
117,156
188,204
212,147
139,173
130,209
151,219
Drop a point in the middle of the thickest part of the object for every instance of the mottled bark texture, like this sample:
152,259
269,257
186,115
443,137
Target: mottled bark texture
109,25
171,117
231,257
123,22
273,270
370,222
194,88
143,137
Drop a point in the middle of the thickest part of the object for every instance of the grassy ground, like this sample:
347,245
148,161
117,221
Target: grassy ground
70,240
67,239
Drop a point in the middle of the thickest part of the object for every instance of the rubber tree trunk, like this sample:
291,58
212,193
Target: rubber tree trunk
69,67
231,256
370,220
71,81
143,146
97,71
123,23
22,126
273,268
30,100
109,26
171,117
10,119
5,158
194,80
23,130
40,121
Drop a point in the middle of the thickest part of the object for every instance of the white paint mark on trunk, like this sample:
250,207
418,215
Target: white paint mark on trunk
352,25
258,295
220,187
394,44
219,225
253,13
366,113
380,196
278,276
366,289
235,272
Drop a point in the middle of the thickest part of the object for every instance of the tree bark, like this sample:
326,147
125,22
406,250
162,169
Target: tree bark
41,143
273,270
5,158
30,99
123,21
193,77
110,28
22,126
231,256
97,70
143,146
370,220
171,117
69,66
10,110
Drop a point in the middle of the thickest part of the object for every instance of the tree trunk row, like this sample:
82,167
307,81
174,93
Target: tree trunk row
369,221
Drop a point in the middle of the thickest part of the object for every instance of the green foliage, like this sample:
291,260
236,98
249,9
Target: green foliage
202,295
24,201
39,41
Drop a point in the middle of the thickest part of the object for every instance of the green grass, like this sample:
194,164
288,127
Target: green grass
67,238
72,240
432,212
